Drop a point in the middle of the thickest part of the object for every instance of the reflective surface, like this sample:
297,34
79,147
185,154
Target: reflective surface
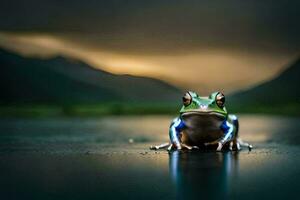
109,158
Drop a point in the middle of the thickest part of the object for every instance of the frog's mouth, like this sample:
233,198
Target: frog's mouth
203,113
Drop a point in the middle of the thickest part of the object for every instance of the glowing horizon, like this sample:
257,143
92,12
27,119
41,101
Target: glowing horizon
202,70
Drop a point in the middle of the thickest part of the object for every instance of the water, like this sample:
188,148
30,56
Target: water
108,158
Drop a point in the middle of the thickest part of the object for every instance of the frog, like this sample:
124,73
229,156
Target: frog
204,122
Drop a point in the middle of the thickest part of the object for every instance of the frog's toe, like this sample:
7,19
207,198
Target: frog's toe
230,146
153,147
235,146
250,147
170,147
187,146
238,147
220,146
162,146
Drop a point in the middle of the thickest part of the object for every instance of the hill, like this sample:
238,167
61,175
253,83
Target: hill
279,95
61,80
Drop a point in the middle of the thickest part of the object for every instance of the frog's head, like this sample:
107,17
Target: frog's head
214,104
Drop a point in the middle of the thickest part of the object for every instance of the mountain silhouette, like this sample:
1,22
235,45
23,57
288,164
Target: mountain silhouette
61,80
282,90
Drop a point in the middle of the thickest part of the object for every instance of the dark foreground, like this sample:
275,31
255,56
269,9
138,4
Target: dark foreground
108,158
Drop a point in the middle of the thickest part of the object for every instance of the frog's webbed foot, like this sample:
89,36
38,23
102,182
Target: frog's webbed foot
189,147
171,147
236,145
244,144
215,143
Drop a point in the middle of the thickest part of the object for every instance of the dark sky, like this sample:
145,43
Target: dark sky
162,27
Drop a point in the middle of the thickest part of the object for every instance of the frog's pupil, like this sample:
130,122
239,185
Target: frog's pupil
186,99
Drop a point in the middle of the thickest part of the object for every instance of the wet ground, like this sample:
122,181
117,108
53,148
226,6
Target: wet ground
108,158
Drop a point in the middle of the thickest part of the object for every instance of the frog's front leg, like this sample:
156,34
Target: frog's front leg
175,132
175,129
236,142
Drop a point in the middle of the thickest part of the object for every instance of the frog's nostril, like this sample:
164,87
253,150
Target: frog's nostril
203,106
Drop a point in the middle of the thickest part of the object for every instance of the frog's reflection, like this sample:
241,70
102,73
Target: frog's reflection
203,175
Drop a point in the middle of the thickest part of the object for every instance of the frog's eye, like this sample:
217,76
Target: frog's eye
187,99
220,100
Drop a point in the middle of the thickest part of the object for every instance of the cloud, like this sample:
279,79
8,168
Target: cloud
161,26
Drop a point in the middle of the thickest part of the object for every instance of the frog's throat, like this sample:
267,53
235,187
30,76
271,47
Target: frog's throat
198,112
